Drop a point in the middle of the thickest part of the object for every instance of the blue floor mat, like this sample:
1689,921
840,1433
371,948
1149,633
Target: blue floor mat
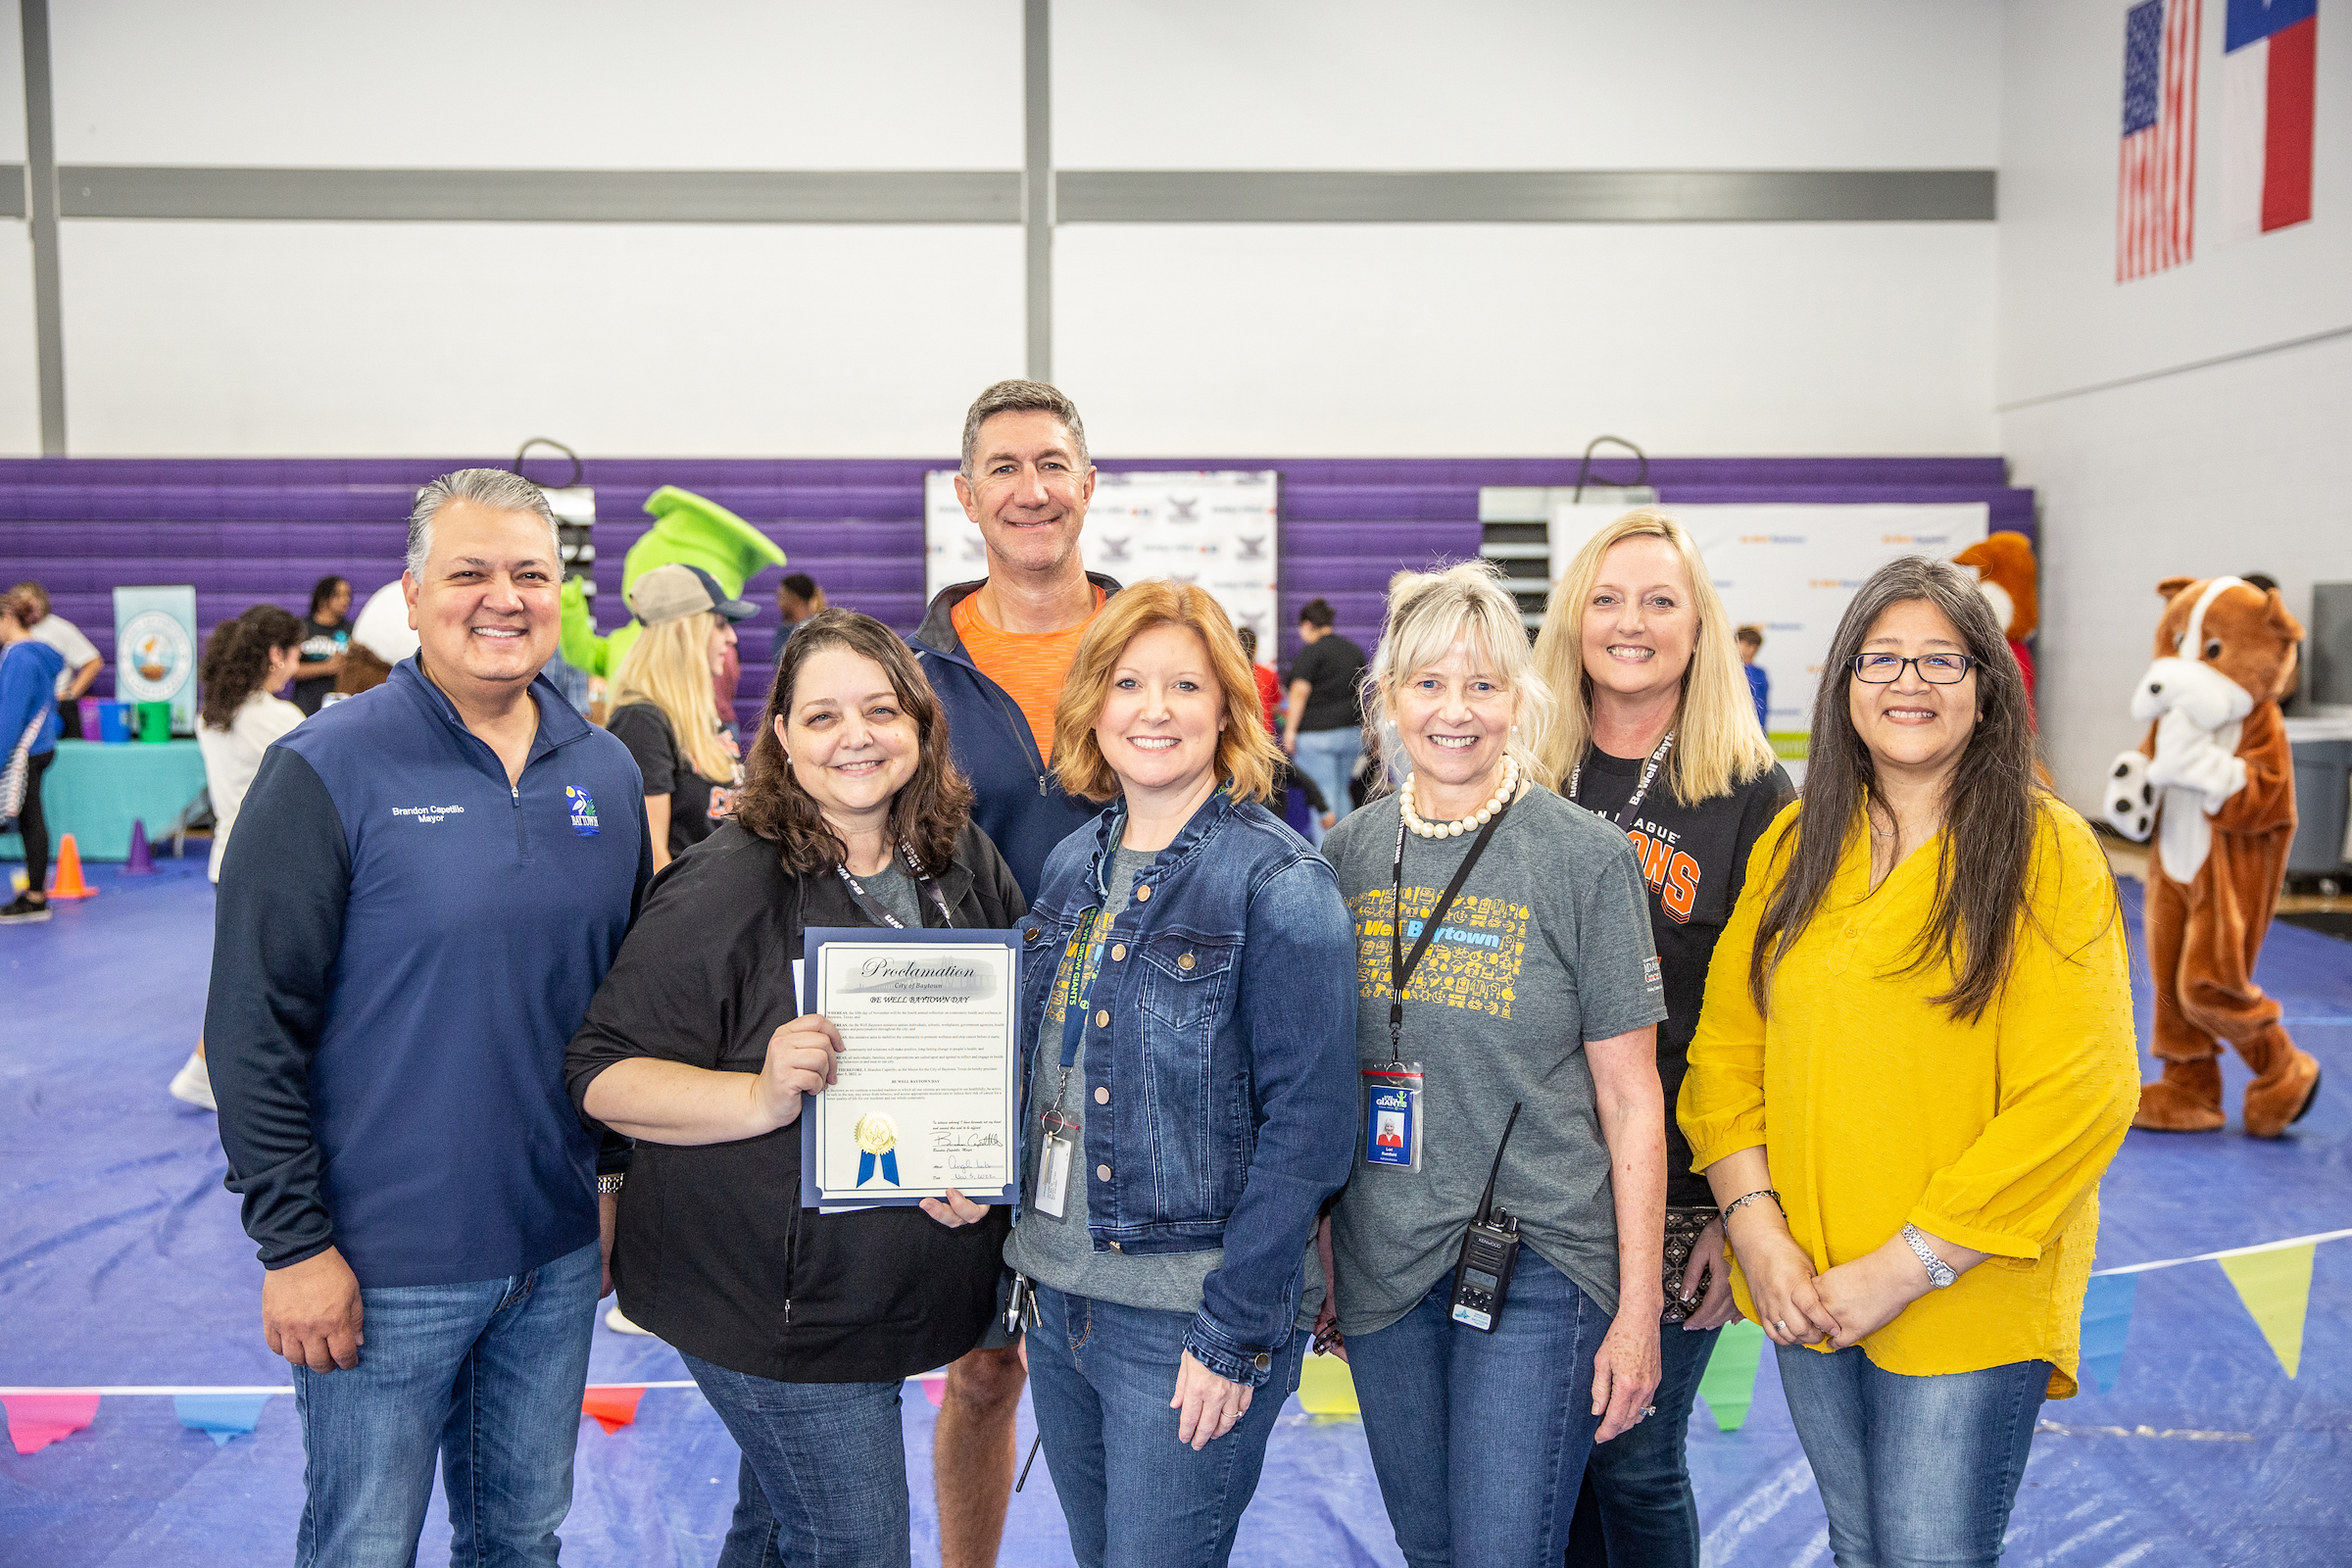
122,1263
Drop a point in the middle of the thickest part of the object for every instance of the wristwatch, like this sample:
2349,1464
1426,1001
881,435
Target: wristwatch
612,1183
1939,1273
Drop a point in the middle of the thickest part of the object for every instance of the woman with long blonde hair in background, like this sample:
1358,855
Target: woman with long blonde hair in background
666,708
1657,733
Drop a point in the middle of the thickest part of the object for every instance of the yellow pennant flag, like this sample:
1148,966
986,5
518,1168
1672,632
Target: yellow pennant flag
2275,1287
1325,1390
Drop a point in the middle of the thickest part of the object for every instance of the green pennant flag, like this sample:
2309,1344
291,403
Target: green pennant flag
1729,1385
2275,1287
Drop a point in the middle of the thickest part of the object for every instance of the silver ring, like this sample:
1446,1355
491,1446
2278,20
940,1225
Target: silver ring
1649,1409
1779,1324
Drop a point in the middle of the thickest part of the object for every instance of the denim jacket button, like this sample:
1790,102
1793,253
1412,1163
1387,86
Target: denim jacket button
1118,952
1143,895
1184,962
1102,1097
1102,1173
1031,935
1261,1361
1103,1019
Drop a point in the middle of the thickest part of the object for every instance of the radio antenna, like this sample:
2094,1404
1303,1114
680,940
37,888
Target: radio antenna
1485,1202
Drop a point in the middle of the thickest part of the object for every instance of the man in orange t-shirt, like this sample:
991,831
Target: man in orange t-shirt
997,651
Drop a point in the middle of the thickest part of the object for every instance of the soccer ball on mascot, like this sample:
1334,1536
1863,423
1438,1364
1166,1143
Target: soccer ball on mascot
2214,785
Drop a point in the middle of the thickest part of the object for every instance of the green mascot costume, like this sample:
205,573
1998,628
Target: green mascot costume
687,529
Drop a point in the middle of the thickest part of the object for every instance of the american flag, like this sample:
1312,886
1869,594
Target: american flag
2156,182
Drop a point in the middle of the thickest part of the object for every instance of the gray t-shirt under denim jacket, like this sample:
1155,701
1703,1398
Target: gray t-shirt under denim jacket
1059,1251
1547,945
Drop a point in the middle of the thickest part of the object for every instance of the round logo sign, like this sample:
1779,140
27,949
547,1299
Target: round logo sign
156,658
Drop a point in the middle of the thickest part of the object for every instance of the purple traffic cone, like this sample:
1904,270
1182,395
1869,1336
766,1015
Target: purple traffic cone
142,859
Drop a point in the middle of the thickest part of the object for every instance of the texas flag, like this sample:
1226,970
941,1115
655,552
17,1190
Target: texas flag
2268,69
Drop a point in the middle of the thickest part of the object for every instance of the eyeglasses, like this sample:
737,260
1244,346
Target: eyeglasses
1936,669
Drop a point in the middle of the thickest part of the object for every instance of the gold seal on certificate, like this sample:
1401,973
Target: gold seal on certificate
875,1134
926,1091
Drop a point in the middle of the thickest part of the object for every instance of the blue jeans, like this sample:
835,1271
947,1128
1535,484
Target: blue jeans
1913,1470
1480,1440
1636,1510
489,1373
823,1478
1100,1378
1328,756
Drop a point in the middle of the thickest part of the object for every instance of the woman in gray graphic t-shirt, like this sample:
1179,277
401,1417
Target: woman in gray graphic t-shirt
1535,986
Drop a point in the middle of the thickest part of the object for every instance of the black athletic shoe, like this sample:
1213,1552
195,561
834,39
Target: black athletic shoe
23,912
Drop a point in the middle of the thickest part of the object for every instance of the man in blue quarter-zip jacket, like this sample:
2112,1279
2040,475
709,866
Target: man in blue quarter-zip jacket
996,651
426,885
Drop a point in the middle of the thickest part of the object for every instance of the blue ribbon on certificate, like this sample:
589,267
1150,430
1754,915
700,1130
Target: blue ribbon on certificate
890,1167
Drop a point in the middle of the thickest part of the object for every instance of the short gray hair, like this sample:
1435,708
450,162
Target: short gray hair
494,489
1016,397
1429,612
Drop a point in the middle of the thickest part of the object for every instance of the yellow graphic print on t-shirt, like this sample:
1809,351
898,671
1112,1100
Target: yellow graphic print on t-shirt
1087,938
1473,962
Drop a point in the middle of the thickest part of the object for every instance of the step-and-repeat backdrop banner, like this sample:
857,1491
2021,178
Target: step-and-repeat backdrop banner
1792,570
1216,529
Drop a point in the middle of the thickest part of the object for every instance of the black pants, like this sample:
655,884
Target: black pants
68,719
34,825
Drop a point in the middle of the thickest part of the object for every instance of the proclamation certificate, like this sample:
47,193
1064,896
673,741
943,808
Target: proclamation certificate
928,1095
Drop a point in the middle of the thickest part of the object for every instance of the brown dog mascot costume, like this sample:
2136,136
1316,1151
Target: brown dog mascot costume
2215,779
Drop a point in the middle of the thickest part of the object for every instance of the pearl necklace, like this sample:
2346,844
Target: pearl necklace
1476,819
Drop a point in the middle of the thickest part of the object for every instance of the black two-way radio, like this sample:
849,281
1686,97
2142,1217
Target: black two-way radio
1482,1277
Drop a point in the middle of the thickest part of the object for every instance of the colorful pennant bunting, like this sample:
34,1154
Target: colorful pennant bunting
2276,1286
1327,1391
2106,1325
1729,1385
220,1416
36,1420
613,1404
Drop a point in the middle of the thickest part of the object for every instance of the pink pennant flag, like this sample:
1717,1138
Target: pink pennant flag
36,1420
613,1404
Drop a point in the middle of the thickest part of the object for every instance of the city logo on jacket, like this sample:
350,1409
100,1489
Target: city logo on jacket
583,811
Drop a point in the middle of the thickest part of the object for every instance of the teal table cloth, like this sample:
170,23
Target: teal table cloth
94,790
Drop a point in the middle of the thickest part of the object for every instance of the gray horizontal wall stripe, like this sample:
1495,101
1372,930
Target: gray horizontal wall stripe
989,196
549,195
1531,196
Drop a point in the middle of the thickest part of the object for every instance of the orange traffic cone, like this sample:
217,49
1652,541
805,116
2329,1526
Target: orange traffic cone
70,884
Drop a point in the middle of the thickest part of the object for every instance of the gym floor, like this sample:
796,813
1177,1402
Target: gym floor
122,1263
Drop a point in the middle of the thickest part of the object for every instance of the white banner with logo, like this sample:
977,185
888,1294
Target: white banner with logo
155,651
1792,570
1216,529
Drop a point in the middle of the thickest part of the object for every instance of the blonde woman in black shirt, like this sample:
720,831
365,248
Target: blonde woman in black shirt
1658,734
665,708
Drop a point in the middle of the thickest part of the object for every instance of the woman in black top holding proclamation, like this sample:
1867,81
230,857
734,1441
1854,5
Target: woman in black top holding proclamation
1658,734
799,1327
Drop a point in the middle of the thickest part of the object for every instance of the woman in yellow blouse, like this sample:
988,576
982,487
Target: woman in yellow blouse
1915,1058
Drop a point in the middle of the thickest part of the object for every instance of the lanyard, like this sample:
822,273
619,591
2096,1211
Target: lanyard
1401,968
874,908
1649,775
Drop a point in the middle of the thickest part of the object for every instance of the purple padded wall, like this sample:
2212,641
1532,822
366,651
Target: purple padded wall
248,530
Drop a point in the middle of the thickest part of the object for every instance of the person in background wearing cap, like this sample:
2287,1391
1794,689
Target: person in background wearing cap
687,530
666,708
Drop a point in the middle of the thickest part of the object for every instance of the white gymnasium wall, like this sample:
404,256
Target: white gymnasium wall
2185,467
309,338
20,384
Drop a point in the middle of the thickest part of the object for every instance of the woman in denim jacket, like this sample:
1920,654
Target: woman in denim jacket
1189,986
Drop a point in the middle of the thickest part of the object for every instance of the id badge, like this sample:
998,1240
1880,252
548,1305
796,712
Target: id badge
1053,1176
1392,1115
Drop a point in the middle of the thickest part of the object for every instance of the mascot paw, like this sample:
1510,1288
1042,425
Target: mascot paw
2281,1096
2131,805
2188,1099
